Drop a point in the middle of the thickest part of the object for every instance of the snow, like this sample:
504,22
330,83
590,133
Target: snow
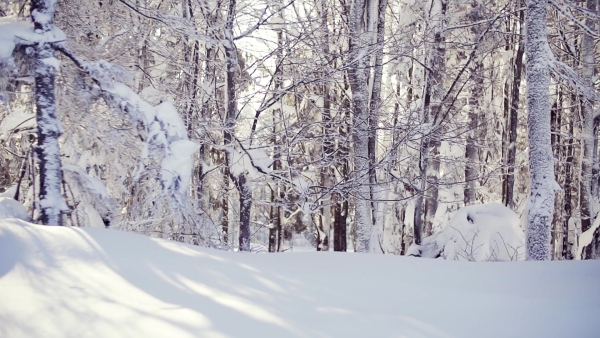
87,282
486,232
166,130
13,33
17,119
586,238
52,62
250,161
9,207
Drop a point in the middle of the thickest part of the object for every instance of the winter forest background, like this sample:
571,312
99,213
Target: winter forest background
346,125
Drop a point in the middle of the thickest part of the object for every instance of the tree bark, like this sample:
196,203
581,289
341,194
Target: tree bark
360,129
513,122
587,131
240,181
542,185
48,127
374,107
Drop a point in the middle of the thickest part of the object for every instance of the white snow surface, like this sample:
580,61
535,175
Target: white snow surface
484,232
89,282
10,208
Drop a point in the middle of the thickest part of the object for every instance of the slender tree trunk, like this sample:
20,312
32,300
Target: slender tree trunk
360,129
474,102
276,195
436,81
471,149
240,181
225,207
509,199
341,207
558,152
541,162
374,107
568,188
587,132
51,202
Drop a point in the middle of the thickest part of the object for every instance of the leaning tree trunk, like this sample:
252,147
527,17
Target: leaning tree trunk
48,127
542,185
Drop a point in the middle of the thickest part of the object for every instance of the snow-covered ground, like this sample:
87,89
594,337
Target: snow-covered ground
74,282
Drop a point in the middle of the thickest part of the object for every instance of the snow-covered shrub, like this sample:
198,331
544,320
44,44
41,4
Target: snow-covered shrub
485,232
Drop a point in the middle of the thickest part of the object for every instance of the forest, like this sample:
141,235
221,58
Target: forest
330,125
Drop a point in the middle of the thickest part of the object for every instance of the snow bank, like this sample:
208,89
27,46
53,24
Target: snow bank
89,282
486,232
9,208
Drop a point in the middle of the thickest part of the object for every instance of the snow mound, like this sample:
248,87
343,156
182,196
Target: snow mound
485,232
89,282
9,208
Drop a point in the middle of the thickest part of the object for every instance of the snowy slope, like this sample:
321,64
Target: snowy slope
72,282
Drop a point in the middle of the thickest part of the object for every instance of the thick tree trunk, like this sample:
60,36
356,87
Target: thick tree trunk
51,201
541,163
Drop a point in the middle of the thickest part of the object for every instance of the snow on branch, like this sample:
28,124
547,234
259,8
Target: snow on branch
21,33
165,129
566,73
567,13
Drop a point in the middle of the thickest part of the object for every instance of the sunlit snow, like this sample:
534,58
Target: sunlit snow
86,282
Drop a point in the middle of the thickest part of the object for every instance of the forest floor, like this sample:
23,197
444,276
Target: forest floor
85,282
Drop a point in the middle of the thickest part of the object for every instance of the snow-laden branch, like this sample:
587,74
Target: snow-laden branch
164,127
179,25
584,11
21,33
566,73
263,21
565,11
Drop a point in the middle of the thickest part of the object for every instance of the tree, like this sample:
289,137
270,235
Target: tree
542,185
52,204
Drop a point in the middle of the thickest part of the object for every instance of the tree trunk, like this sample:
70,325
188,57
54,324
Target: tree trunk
360,131
513,122
542,185
474,102
587,131
374,106
240,181
436,81
568,187
51,201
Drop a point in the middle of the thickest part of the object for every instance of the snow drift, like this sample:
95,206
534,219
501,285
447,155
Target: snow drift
90,282
10,208
486,232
